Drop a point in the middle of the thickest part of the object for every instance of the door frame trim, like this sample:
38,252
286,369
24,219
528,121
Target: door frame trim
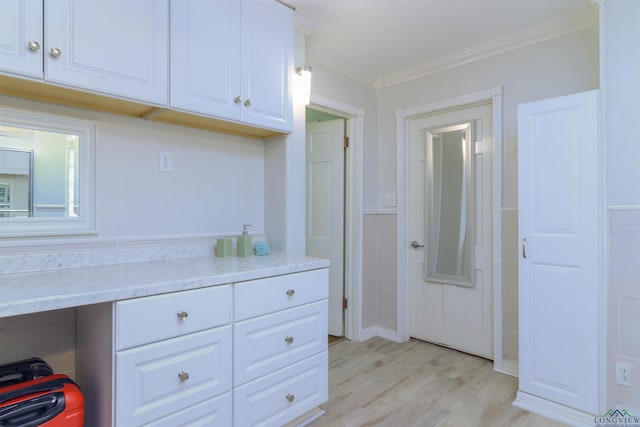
354,117
403,117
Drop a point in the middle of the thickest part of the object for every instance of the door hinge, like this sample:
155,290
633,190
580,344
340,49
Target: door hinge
345,303
346,142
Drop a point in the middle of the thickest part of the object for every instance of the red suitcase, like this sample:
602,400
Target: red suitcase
52,401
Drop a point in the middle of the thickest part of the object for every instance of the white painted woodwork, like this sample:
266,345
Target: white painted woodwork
233,59
264,402
460,317
294,306
263,296
205,61
266,63
117,47
325,208
149,386
128,383
210,413
261,344
144,320
559,259
21,23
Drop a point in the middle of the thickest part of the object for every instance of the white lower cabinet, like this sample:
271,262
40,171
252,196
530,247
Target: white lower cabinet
215,412
283,395
163,378
280,348
181,358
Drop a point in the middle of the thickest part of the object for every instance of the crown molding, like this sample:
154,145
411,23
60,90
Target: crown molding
304,23
527,37
498,46
316,55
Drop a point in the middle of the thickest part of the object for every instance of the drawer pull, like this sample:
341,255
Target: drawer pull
184,376
182,315
290,397
289,340
291,292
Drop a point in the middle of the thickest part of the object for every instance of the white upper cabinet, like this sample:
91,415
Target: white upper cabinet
267,61
233,59
116,47
21,37
205,66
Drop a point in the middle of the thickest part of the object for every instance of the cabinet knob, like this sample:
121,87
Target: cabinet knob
183,315
237,100
290,397
33,46
247,103
289,340
184,376
291,292
55,52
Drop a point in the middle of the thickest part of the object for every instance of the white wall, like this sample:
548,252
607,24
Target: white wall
622,110
621,101
557,67
336,87
217,183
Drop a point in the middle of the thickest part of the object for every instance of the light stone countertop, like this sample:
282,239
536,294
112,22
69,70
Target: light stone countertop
23,293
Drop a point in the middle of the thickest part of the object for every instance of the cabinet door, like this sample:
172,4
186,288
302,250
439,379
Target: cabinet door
116,47
281,396
205,57
21,37
267,61
162,378
559,268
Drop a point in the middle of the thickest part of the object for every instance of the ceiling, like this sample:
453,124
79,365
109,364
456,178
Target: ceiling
386,42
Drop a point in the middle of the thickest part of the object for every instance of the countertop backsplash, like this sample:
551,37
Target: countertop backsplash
60,256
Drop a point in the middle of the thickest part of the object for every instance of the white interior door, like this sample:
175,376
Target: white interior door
453,315
558,221
325,208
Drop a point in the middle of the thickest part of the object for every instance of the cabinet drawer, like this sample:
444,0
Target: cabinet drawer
278,398
148,378
145,320
262,296
264,344
216,412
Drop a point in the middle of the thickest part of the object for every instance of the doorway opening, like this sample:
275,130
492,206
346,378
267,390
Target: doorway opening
403,119
325,149
350,307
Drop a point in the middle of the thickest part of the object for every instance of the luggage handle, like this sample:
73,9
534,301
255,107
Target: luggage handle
33,412
36,388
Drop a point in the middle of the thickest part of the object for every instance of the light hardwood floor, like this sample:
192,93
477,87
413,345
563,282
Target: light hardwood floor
382,383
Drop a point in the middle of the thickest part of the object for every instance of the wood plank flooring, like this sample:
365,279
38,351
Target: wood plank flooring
382,383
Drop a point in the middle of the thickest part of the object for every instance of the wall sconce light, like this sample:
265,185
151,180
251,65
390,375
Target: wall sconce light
304,83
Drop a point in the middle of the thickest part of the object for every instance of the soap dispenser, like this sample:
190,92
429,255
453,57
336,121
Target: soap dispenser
245,246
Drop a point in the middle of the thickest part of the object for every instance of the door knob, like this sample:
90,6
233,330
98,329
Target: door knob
416,245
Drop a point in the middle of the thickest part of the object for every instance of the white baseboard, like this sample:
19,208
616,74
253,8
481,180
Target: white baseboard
507,367
379,331
553,410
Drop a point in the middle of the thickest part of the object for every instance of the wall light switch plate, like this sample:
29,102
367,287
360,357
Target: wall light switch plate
165,163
